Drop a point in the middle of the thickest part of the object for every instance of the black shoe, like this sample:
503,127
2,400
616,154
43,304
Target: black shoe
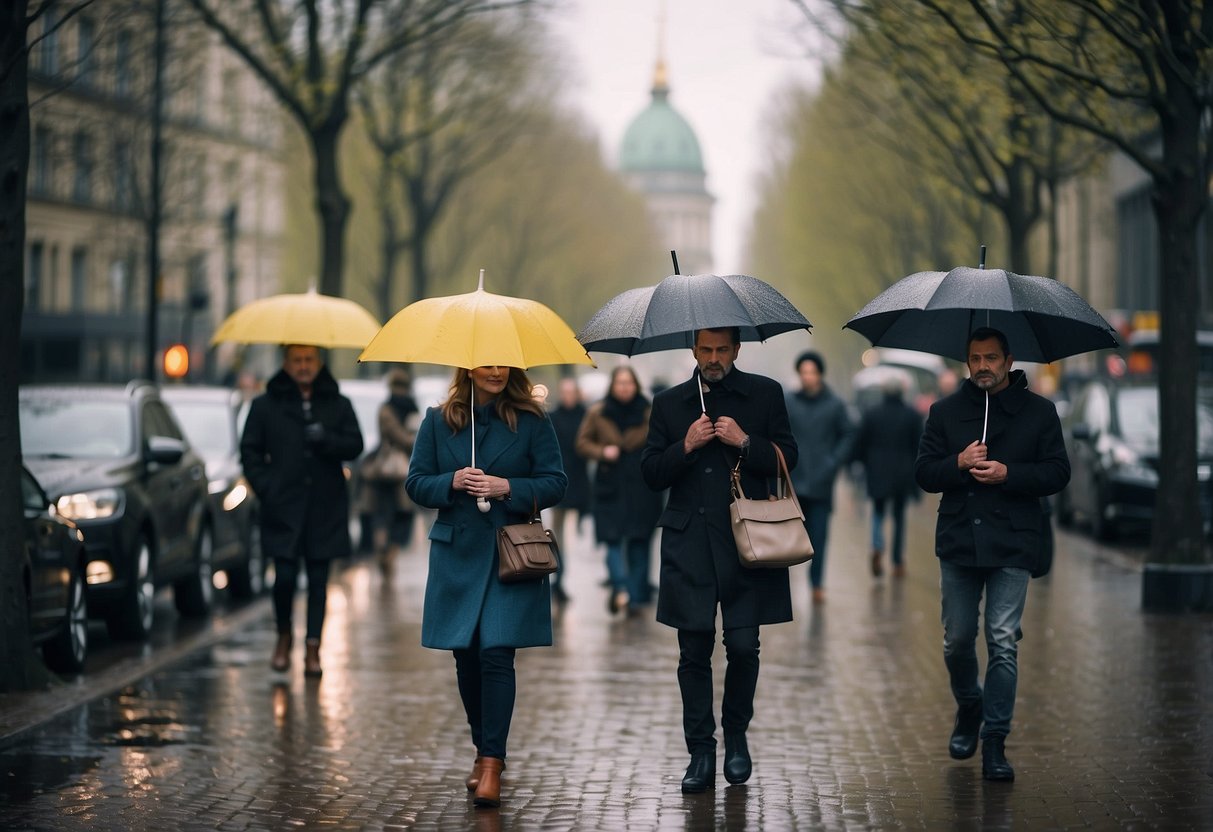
737,765
994,765
701,773
963,743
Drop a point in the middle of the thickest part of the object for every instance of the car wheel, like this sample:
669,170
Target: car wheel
136,609
193,595
65,653
248,580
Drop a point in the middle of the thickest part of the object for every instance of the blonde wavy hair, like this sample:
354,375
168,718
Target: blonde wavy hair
514,399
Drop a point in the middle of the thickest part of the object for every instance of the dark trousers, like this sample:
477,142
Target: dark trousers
817,524
286,578
486,686
695,681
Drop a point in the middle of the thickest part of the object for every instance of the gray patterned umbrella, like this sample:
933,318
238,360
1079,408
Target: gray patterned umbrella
665,316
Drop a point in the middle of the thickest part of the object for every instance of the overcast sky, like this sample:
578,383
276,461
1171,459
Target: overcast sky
725,59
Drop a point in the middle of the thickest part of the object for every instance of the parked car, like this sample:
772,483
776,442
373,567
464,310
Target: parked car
212,418
115,462
1111,435
54,574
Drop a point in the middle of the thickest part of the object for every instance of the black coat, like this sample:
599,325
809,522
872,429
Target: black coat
302,489
993,525
699,564
567,421
624,507
887,446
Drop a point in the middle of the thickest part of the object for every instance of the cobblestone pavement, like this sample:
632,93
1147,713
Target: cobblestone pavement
1113,729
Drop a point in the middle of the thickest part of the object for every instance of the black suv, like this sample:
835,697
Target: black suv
115,462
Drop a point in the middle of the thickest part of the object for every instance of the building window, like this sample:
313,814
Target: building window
79,278
35,266
124,197
122,64
46,57
231,100
82,156
86,45
1137,253
40,162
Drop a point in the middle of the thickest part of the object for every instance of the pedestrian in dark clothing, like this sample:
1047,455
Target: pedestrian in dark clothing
468,610
886,444
988,535
389,503
295,438
691,452
824,433
613,434
566,419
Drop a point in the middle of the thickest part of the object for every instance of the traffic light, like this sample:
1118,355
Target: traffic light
176,361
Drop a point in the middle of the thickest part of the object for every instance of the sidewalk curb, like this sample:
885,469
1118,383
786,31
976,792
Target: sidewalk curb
39,707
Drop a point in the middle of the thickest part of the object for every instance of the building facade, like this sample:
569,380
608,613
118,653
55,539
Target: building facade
660,158
89,197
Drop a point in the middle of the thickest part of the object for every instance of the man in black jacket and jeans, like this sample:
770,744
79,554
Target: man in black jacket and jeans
988,534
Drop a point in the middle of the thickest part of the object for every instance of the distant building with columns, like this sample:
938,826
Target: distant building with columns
660,159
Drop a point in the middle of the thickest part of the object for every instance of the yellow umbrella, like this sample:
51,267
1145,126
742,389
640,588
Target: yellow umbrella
308,318
478,329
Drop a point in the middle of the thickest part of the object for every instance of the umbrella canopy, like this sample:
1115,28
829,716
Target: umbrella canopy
477,329
935,311
309,318
665,316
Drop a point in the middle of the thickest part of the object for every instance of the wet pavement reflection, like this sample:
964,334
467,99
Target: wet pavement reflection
1113,728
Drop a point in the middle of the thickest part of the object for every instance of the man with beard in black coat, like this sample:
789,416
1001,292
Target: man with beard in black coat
691,452
295,438
988,533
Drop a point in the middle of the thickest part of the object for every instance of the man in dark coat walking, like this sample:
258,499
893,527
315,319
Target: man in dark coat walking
988,534
295,438
691,452
566,420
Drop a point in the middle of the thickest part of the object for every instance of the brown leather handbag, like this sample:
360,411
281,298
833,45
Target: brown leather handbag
770,533
526,551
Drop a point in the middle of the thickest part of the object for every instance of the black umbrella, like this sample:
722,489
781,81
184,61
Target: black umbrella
665,316
935,312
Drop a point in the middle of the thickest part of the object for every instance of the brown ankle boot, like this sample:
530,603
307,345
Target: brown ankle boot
474,778
281,660
488,790
311,658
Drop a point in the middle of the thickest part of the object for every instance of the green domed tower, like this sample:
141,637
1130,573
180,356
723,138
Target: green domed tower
660,158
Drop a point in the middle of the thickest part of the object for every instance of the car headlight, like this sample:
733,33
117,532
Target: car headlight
90,505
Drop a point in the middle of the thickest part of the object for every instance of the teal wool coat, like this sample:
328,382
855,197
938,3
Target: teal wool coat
462,589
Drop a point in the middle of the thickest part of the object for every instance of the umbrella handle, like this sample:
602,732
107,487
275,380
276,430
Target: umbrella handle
699,386
482,503
985,422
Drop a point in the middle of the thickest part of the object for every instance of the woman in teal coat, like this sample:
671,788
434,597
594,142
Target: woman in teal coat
467,609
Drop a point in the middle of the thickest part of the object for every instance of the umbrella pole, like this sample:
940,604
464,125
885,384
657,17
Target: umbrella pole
699,386
482,503
985,422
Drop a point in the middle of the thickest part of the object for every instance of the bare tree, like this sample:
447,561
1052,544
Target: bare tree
1156,55
311,54
436,115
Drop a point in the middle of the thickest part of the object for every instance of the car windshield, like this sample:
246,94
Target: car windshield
207,426
71,427
1137,410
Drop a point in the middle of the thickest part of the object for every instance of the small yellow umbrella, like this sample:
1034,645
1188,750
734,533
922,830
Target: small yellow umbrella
477,329
308,318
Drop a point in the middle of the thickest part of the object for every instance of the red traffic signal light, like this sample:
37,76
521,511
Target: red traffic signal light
176,361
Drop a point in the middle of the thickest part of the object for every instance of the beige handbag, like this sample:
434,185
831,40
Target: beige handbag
526,551
770,533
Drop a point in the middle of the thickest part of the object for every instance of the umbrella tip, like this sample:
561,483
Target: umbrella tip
480,288
674,257
982,264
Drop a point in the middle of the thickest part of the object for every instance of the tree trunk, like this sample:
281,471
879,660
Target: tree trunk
331,203
387,274
20,667
1178,203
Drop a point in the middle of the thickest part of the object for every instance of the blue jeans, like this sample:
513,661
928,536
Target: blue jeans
817,524
899,525
628,567
1006,589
